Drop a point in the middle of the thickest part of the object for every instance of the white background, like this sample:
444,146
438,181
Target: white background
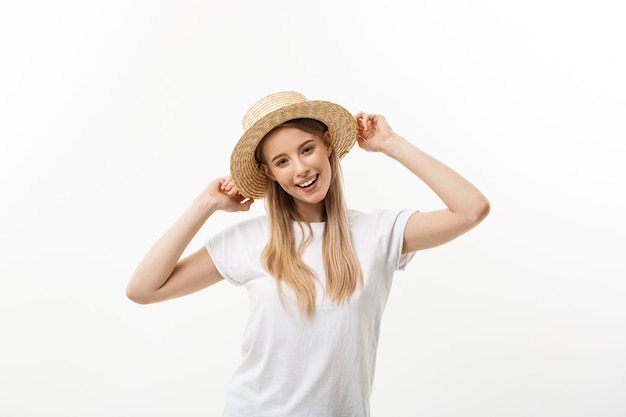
115,114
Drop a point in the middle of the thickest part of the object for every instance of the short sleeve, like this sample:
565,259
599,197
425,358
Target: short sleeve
384,229
236,250
395,241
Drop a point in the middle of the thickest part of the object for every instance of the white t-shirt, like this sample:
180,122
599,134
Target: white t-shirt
321,366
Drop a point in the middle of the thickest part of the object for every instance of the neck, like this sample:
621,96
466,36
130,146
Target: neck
314,213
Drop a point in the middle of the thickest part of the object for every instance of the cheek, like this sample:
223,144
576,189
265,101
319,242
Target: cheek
327,164
282,176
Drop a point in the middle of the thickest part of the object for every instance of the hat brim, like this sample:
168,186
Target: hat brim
249,178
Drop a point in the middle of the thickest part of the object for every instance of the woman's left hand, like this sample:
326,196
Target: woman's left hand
374,131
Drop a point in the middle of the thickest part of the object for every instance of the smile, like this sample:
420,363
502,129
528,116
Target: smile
309,182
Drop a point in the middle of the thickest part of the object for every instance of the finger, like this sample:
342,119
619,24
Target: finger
366,120
229,185
362,142
361,120
368,126
232,192
222,181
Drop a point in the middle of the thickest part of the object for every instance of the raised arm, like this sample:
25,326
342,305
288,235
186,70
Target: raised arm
162,275
466,206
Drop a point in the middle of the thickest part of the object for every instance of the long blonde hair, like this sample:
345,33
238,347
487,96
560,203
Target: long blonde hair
283,260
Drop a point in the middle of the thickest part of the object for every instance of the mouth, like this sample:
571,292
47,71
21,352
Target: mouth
308,183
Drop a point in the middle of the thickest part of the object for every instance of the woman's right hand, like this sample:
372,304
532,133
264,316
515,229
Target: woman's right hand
222,194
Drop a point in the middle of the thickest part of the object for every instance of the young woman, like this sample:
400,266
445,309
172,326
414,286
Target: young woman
318,274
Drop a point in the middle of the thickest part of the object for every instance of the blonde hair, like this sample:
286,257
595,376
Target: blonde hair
283,260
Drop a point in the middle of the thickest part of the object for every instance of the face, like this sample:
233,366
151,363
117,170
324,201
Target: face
298,161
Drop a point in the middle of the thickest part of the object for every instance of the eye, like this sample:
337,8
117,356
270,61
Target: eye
281,162
308,149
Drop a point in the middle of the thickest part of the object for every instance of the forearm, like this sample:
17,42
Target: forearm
158,264
457,193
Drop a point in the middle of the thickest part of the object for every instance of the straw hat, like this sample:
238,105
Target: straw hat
270,112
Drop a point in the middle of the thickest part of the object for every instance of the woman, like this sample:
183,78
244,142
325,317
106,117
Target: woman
318,275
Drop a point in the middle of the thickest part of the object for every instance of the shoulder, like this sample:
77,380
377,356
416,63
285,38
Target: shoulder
378,226
250,232
253,225
379,235
383,220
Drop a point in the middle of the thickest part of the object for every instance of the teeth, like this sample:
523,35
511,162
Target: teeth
306,184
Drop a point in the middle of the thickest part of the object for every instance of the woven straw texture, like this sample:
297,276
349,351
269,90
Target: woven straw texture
273,110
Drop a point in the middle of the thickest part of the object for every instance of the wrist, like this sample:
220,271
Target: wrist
394,145
203,206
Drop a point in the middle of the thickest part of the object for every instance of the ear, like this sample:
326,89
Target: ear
329,143
268,172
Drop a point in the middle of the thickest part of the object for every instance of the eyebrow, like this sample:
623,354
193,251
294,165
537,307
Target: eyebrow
305,143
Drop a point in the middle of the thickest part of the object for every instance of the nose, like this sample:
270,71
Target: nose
302,169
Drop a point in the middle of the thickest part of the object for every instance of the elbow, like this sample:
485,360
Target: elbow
136,296
481,209
474,213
